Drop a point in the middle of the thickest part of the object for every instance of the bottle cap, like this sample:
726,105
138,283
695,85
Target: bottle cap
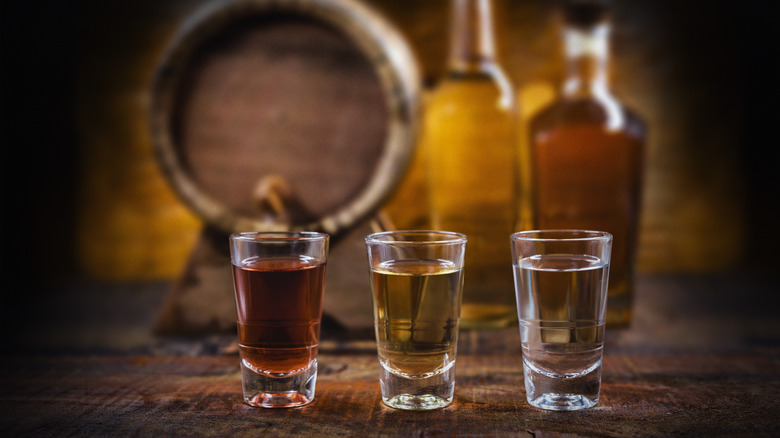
585,13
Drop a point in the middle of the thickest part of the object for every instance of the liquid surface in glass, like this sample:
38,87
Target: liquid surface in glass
416,315
561,300
279,308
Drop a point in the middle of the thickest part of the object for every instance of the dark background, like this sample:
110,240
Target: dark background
728,48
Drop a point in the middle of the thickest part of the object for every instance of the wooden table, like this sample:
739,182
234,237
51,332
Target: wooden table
702,358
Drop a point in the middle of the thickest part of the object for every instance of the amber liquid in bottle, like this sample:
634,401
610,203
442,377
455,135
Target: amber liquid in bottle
588,159
469,133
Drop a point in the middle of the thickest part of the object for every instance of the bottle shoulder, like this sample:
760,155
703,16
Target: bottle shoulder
565,112
477,85
489,76
635,124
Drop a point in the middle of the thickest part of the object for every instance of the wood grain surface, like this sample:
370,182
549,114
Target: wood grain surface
691,394
701,358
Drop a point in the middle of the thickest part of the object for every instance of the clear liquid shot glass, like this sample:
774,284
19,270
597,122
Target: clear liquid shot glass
561,286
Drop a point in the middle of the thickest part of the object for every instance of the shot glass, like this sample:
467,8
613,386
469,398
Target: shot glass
417,283
278,279
561,287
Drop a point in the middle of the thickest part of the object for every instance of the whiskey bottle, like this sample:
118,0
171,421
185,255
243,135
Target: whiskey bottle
588,152
469,131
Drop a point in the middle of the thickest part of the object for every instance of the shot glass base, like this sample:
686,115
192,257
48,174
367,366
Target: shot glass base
417,393
277,400
266,391
562,402
411,402
562,393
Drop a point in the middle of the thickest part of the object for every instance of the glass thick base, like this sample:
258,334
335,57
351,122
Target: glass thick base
562,402
417,393
269,391
562,392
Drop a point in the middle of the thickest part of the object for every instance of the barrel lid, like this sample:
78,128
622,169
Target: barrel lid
285,114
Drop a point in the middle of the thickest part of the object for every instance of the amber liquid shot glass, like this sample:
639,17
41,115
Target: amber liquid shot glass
278,280
417,284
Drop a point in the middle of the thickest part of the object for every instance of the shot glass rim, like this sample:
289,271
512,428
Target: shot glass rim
278,236
574,235
454,238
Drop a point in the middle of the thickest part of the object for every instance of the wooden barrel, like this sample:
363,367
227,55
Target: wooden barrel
285,114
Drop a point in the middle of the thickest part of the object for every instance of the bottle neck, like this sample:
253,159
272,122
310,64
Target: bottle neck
587,52
472,43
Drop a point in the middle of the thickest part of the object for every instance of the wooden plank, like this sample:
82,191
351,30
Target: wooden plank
643,395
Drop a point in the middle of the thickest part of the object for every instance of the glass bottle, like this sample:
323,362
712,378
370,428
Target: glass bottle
407,208
588,153
469,133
